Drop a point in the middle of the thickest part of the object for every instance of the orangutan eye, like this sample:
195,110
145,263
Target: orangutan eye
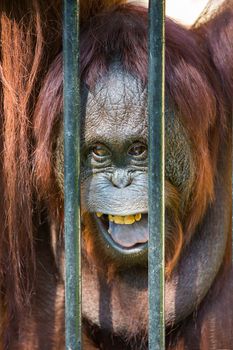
138,150
100,152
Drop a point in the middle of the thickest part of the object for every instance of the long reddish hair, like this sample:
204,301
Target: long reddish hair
30,39
197,84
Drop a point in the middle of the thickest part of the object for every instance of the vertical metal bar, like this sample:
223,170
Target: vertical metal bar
72,171
156,102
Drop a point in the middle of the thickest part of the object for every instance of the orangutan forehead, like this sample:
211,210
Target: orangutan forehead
117,106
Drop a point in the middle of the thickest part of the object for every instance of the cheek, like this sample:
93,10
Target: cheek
179,160
173,225
99,195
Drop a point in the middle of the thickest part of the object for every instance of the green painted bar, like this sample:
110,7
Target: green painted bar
156,102
72,171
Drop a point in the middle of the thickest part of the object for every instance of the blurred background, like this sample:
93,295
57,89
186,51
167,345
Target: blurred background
185,11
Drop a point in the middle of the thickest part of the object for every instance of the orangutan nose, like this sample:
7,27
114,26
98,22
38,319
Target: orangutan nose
121,178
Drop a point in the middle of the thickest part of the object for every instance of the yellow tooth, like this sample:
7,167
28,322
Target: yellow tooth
119,220
138,217
129,220
111,218
99,214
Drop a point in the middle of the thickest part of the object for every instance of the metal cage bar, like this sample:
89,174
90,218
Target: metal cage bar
156,106
72,174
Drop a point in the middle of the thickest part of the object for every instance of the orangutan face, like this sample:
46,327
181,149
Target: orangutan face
115,166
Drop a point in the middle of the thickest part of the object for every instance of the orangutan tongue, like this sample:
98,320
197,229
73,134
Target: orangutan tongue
129,235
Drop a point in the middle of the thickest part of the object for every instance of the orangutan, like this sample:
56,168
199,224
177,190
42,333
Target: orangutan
114,177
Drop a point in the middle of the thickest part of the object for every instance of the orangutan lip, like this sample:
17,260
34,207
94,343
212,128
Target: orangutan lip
129,238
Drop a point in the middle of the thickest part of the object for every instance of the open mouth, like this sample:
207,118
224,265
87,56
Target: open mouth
128,233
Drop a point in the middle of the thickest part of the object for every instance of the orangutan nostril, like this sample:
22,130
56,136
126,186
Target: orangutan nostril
121,178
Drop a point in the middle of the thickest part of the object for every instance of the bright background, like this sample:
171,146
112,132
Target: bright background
184,11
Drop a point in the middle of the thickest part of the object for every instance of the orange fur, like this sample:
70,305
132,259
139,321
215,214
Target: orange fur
199,85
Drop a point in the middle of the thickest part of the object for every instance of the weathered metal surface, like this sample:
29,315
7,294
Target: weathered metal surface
156,102
72,173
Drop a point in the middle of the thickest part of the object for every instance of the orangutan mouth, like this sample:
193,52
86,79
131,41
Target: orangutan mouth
127,232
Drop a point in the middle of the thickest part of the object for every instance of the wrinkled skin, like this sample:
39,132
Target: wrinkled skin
114,182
